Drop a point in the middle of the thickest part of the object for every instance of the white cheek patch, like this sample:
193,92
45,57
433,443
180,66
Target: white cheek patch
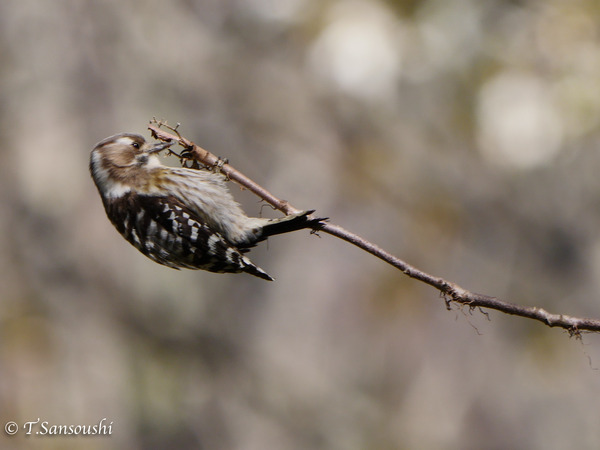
98,172
109,188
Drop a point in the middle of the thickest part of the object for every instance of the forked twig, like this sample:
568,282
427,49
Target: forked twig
451,292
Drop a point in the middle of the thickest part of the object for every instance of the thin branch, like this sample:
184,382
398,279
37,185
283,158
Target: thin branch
450,291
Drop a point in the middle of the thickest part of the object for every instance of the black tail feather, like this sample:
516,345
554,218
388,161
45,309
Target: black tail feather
285,224
253,269
292,222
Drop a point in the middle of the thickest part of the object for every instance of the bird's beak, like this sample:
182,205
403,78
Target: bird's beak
161,146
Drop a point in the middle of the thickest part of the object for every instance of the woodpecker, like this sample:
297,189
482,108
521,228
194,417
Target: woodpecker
179,217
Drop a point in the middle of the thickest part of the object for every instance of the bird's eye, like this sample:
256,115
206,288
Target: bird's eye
135,145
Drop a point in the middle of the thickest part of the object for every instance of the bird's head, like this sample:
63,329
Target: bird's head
121,162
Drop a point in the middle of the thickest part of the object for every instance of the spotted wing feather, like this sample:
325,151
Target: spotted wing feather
168,232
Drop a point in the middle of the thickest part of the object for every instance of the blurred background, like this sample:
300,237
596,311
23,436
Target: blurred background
460,135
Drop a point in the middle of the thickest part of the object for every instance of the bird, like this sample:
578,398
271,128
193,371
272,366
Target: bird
177,216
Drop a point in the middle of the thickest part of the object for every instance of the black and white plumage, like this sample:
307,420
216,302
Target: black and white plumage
179,217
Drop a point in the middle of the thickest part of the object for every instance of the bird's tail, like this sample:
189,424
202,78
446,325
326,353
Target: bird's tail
251,268
291,222
271,227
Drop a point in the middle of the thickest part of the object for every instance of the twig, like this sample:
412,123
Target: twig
450,291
